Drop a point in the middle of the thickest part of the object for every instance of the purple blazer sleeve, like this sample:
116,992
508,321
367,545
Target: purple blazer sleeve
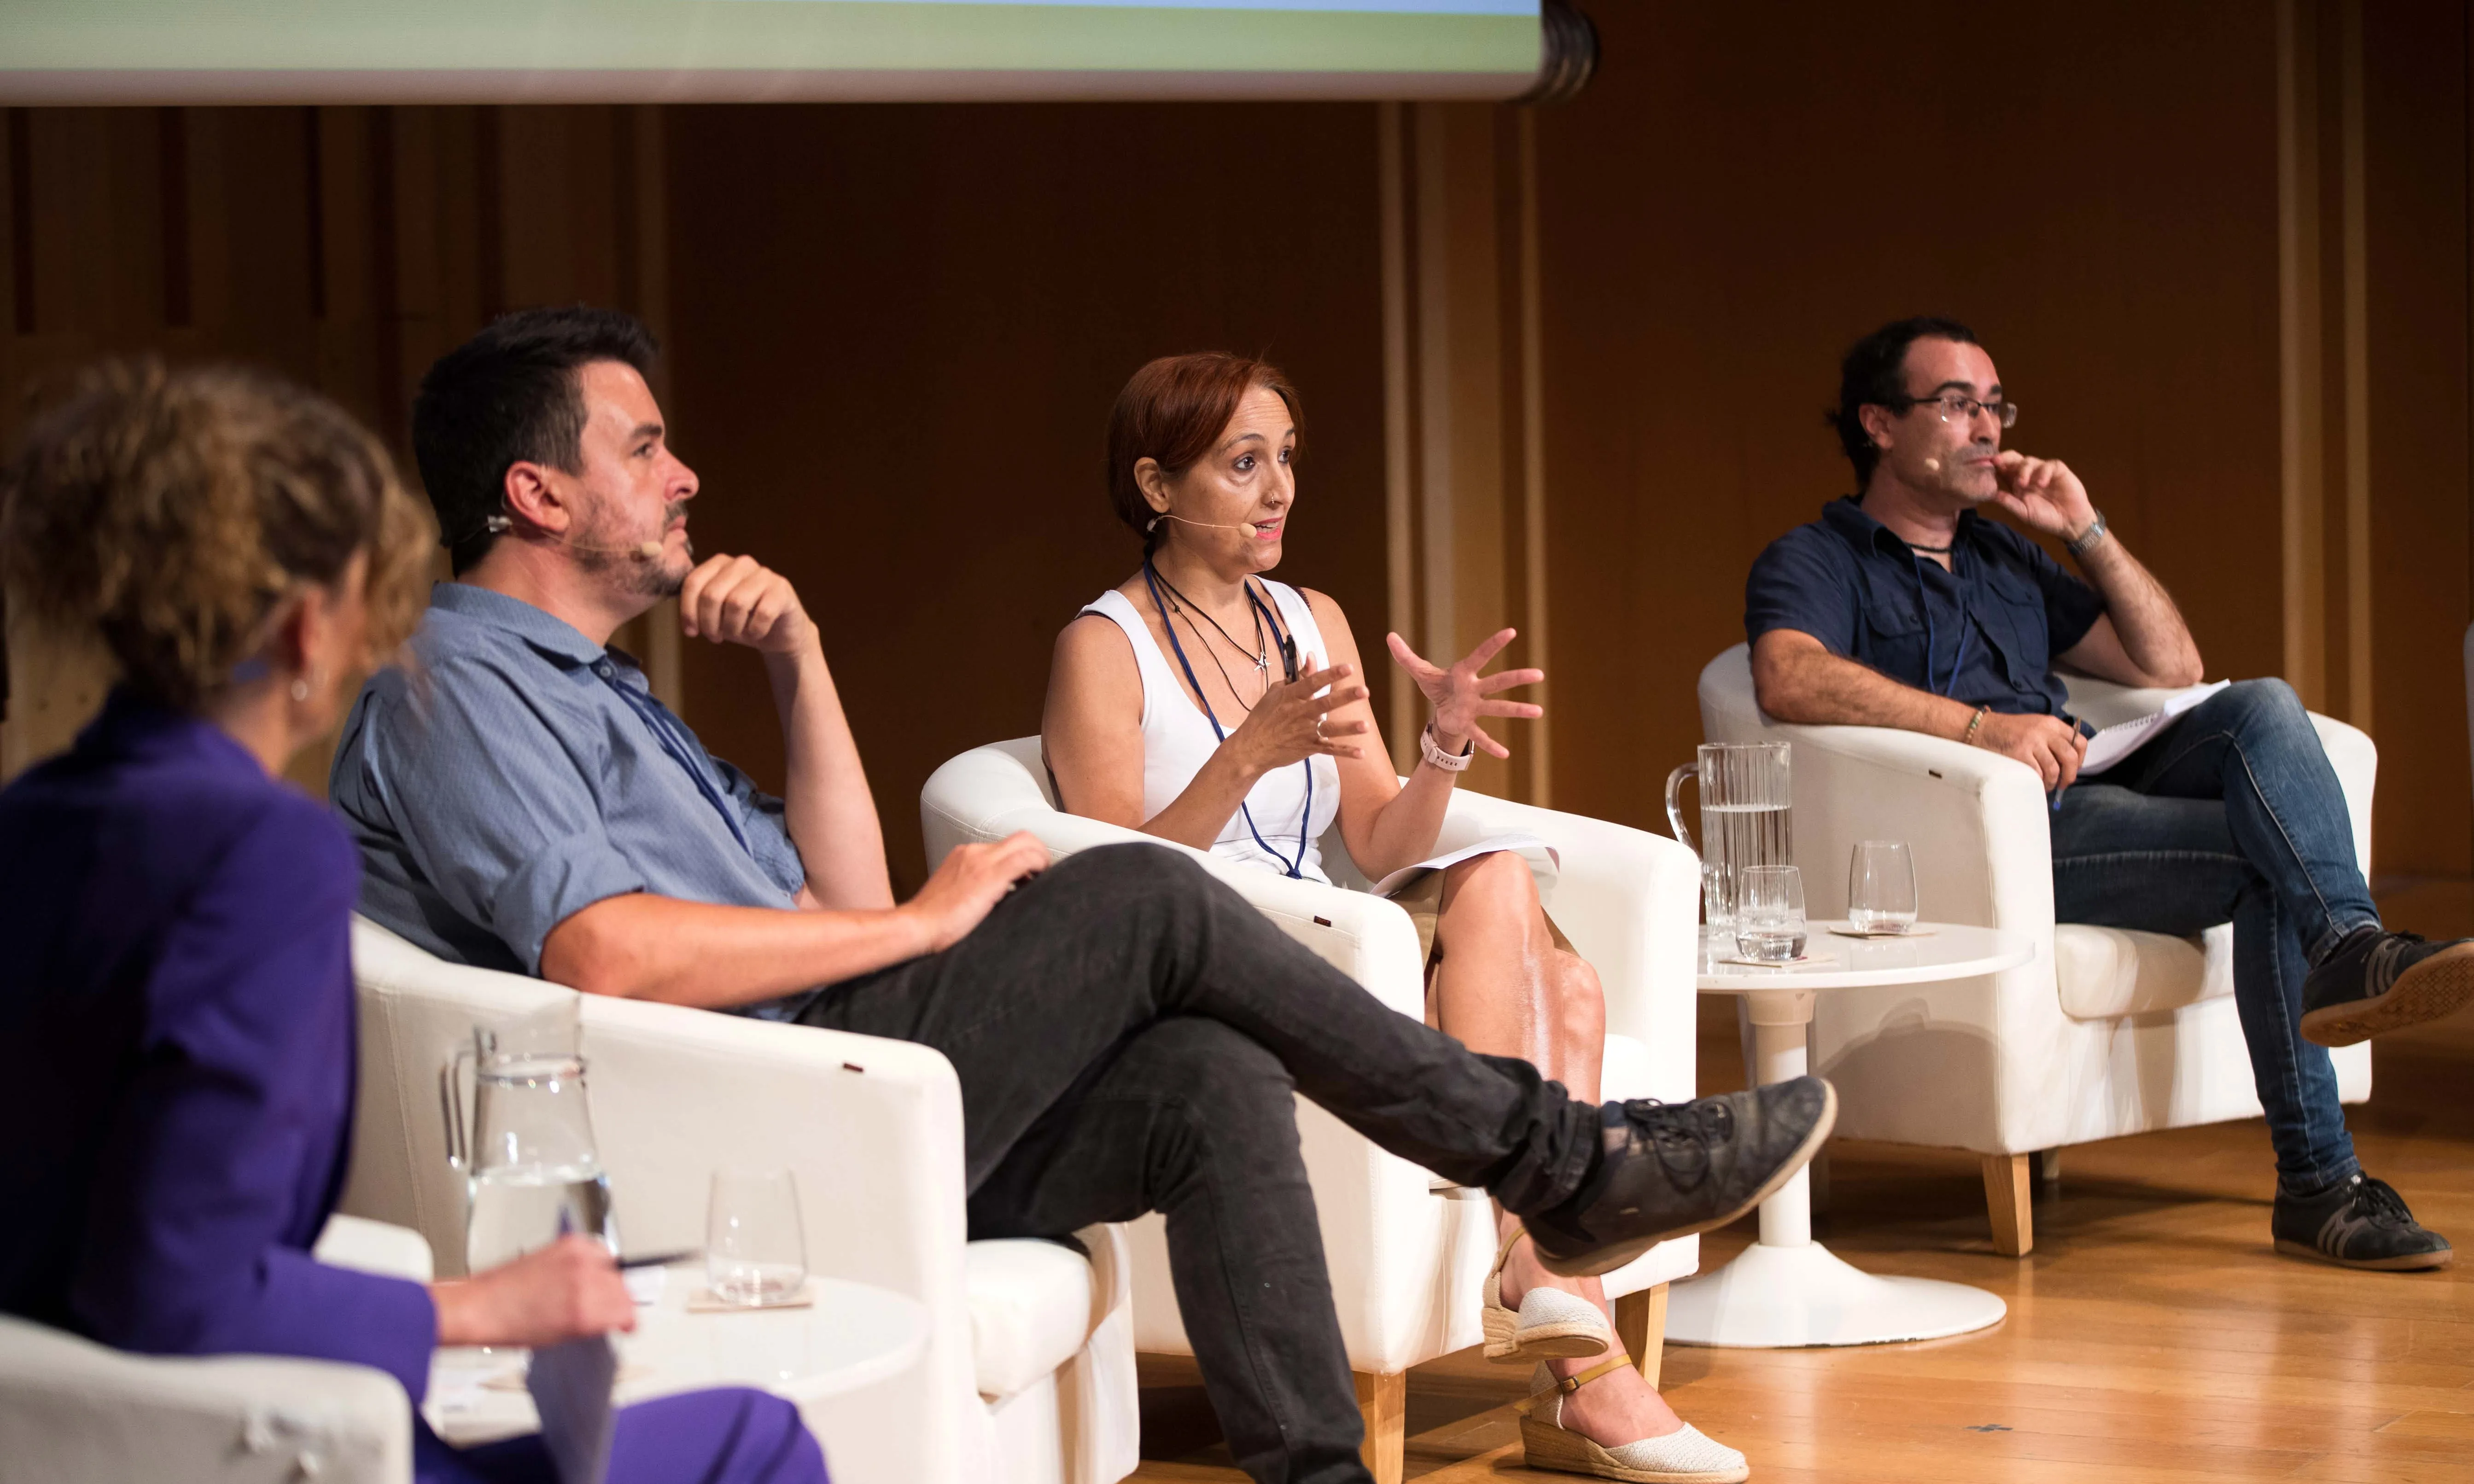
219,1167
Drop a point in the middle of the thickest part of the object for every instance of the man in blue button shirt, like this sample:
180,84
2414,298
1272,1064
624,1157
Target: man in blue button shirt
1903,607
1128,1034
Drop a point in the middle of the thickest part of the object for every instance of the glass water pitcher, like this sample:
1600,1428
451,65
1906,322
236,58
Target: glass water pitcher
531,1171
1746,802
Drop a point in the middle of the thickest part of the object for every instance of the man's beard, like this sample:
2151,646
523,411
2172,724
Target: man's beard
609,553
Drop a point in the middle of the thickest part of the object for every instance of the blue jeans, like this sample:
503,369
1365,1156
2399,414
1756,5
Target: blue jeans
2233,815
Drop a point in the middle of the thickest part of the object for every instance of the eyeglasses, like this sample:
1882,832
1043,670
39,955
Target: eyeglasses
1956,408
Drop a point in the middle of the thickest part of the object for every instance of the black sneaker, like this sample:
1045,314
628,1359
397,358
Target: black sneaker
1671,1169
2377,982
2360,1224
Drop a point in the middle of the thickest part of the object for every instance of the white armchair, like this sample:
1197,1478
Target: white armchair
1407,1254
2105,1031
1028,1374
72,1409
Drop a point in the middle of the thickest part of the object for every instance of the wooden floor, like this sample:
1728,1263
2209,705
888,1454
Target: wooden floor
2153,1338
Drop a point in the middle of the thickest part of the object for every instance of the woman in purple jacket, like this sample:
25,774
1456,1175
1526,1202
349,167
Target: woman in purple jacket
176,1004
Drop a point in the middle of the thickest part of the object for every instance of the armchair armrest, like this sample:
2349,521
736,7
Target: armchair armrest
1976,821
72,1409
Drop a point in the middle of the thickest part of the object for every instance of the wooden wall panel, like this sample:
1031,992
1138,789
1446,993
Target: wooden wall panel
896,336
2092,187
2416,184
344,247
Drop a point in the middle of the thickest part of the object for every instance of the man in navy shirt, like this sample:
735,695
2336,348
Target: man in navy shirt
1903,607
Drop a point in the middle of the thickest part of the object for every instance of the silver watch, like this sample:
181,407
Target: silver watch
2078,545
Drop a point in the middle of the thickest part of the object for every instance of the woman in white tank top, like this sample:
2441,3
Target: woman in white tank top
1203,703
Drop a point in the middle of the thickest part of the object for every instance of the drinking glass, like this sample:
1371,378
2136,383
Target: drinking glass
1882,887
755,1252
1770,913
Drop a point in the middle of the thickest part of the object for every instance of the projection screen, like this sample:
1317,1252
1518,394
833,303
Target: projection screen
689,50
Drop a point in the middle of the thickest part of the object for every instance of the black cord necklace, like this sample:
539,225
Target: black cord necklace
1930,551
1209,654
1260,653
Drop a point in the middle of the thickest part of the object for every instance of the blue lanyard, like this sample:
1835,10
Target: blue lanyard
1289,868
683,749
1923,600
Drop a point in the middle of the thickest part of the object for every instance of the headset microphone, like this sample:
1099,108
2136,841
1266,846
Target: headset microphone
641,551
1208,525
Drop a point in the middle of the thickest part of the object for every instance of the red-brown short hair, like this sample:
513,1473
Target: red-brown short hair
1172,412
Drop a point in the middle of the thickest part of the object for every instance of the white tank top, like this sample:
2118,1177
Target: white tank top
1177,741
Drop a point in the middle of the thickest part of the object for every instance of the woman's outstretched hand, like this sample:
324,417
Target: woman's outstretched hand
1461,695
1289,724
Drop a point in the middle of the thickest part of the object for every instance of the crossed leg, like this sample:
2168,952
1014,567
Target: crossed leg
1502,985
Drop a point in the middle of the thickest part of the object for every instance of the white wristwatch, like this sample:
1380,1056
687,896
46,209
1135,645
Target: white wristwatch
1447,761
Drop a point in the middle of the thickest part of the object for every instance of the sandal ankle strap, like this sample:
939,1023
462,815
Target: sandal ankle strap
1571,1384
1503,1253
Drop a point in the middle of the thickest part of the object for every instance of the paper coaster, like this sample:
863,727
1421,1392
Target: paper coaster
1845,931
704,1301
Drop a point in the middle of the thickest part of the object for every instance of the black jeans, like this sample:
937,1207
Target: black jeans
2235,815
1128,1034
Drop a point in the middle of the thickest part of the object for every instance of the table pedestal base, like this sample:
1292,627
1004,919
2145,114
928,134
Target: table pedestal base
1773,1298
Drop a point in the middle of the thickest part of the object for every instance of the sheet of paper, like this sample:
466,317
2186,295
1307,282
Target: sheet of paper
571,1385
2119,740
1545,865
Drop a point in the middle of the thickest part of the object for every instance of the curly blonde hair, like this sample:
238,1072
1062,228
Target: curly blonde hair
170,513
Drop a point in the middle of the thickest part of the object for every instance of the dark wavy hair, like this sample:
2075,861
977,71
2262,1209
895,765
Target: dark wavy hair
1874,373
1171,412
511,394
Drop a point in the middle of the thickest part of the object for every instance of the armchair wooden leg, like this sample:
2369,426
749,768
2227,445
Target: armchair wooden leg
1640,1325
1383,1400
2049,1172
2008,1191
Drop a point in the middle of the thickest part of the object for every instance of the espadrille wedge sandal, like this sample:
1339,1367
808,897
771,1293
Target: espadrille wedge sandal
1685,1456
1551,1324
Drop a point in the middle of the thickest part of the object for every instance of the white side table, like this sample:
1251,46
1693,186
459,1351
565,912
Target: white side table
1787,1289
854,1334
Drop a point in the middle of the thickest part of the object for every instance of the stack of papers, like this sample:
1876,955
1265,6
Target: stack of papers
1546,864
2119,740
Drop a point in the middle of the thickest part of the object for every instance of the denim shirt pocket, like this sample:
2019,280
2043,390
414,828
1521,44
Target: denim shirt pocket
1895,637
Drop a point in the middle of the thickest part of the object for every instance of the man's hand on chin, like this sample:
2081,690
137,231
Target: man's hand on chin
738,600
2043,493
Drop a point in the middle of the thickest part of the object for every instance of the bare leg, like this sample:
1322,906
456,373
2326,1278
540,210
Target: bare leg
1503,988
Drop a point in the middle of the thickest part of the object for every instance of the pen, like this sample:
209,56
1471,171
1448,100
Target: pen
657,1259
